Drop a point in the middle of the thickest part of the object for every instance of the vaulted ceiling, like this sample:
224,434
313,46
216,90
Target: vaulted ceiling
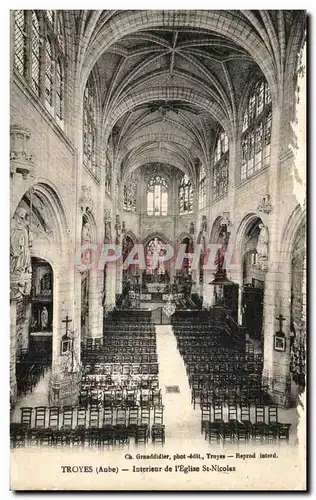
168,84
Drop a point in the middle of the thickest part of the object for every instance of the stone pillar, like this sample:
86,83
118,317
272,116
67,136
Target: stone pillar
110,285
65,377
119,277
26,325
13,385
236,276
95,291
275,363
304,293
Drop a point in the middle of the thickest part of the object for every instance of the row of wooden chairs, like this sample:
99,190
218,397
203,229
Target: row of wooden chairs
110,435
239,425
224,367
215,412
229,357
127,358
109,382
128,349
118,397
72,417
121,368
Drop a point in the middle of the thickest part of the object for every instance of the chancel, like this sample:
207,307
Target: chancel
158,231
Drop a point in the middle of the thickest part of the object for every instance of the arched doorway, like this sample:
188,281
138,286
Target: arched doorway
34,327
253,279
37,239
298,312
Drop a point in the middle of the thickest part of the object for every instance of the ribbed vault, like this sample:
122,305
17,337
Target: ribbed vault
169,80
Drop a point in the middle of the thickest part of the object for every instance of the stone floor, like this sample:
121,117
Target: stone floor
181,420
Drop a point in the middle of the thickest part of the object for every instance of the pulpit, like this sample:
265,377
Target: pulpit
225,294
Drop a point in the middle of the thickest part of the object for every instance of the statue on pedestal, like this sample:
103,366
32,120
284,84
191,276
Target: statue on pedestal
20,256
85,240
263,241
220,255
262,247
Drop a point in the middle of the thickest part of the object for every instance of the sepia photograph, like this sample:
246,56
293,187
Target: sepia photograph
158,250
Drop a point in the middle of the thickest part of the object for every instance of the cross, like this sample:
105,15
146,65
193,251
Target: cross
66,320
280,318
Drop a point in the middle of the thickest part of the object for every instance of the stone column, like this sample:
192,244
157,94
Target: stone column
119,277
304,293
236,276
13,385
110,285
275,363
95,293
65,377
25,332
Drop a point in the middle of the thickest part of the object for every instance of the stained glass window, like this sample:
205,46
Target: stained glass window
60,32
256,131
157,196
185,196
89,127
220,167
51,16
38,43
48,75
35,60
202,187
59,91
19,41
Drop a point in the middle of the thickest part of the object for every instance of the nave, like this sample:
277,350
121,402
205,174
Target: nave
150,385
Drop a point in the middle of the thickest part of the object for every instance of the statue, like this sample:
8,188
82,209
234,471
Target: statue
85,240
204,225
108,231
20,243
85,233
44,318
191,228
118,228
155,253
263,240
220,255
20,256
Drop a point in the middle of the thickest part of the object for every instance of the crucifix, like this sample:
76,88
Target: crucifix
280,318
67,321
66,341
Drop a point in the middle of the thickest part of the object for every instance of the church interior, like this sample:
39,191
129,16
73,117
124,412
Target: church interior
146,131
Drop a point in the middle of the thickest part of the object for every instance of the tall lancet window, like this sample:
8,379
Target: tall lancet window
20,41
59,91
256,132
157,196
220,167
35,59
185,196
202,187
129,194
48,76
89,126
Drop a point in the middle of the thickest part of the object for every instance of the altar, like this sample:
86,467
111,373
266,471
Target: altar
157,287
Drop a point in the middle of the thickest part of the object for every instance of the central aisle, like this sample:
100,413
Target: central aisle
179,417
